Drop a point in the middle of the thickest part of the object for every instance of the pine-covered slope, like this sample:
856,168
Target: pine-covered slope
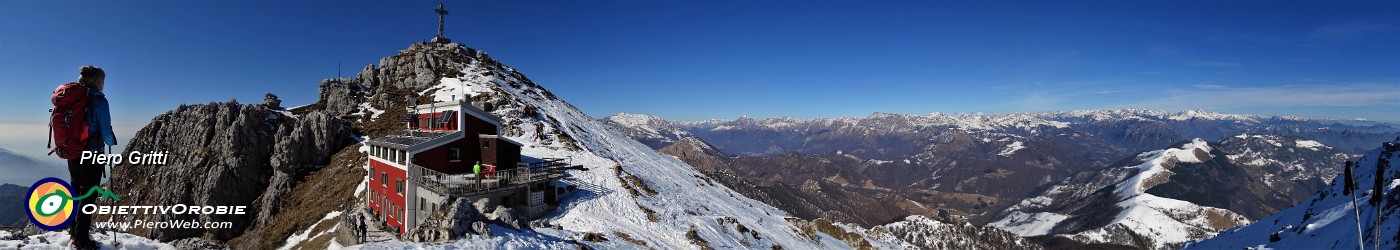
1328,221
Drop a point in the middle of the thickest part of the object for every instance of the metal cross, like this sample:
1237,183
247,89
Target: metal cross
442,12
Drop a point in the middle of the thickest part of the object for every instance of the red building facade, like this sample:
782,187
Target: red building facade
444,138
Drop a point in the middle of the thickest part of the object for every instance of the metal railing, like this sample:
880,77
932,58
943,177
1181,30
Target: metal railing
548,169
466,183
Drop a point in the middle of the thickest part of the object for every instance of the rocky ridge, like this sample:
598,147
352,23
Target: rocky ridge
224,154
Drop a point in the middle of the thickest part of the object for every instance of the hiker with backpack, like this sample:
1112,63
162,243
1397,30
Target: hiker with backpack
80,121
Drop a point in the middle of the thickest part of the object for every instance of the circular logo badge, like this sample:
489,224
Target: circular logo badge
49,205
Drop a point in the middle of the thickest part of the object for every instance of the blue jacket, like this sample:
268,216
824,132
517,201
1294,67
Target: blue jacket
99,120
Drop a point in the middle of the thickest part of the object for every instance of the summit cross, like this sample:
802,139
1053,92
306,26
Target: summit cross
442,12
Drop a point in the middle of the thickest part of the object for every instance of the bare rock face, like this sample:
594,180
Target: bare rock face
464,217
398,77
507,216
341,95
218,156
197,243
222,154
270,101
305,147
310,143
457,220
413,69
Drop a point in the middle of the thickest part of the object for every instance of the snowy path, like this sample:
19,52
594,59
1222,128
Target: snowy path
374,232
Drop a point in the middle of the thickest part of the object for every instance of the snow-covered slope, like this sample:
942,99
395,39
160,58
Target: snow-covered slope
685,210
1112,206
647,129
918,232
1328,220
59,240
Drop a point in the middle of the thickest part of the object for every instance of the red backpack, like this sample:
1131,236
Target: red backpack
68,121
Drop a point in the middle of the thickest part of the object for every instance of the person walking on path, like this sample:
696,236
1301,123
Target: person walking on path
362,228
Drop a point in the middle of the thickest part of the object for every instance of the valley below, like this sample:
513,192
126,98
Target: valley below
1057,178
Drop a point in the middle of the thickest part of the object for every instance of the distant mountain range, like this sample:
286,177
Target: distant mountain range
986,168
1129,129
12,211
23,170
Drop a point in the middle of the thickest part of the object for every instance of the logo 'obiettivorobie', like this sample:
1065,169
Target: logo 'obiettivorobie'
49,203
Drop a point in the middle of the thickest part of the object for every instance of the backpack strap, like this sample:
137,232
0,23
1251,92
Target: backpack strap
50,145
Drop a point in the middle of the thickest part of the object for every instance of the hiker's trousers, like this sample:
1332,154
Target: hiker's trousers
83,177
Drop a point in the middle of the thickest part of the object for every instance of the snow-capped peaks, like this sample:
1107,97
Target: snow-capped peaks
647,129
881,115
634,120
1149,114
1191,114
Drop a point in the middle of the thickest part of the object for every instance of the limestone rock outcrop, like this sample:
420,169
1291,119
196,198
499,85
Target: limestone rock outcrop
222,154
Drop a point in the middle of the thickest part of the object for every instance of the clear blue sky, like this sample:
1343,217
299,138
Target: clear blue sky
722,59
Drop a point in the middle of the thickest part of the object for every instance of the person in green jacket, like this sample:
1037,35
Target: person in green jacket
476,171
